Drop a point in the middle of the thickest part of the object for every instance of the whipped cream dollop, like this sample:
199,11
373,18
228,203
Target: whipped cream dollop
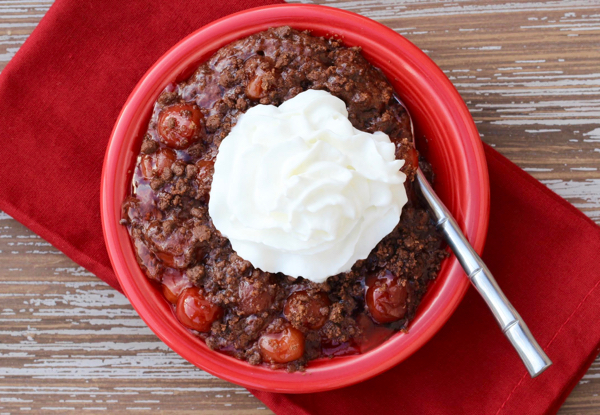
298,190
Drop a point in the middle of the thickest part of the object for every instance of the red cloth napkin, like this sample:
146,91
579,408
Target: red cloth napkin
59,99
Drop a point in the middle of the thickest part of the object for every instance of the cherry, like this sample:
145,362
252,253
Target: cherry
254,297
386,298
282,347
196,312
146,166
171,242
259,72
180,125
205,165
157,163
165,157
173,284
411,160
310,311
167,258
254,89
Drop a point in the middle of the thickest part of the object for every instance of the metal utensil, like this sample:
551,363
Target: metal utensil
511,323
507,317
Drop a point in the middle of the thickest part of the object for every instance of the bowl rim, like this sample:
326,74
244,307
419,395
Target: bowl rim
474,219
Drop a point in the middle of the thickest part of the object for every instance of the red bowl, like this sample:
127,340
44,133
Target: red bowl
445,132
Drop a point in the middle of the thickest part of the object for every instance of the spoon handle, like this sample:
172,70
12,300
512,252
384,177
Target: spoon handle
507,317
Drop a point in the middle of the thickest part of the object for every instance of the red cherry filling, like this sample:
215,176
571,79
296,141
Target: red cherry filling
386,298
179,126
254,297
156,163
412,160
261,77
196,312
310,311
173,284
282,347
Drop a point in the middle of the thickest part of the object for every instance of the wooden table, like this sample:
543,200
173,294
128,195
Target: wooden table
530,74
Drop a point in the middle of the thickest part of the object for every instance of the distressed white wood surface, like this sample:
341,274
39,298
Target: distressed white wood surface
530,74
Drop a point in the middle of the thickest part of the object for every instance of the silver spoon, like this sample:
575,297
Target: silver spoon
511,323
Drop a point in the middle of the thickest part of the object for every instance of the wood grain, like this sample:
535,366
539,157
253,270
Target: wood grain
529,73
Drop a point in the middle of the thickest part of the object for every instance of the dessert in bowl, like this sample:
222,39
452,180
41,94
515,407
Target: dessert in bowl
268,192
190,235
